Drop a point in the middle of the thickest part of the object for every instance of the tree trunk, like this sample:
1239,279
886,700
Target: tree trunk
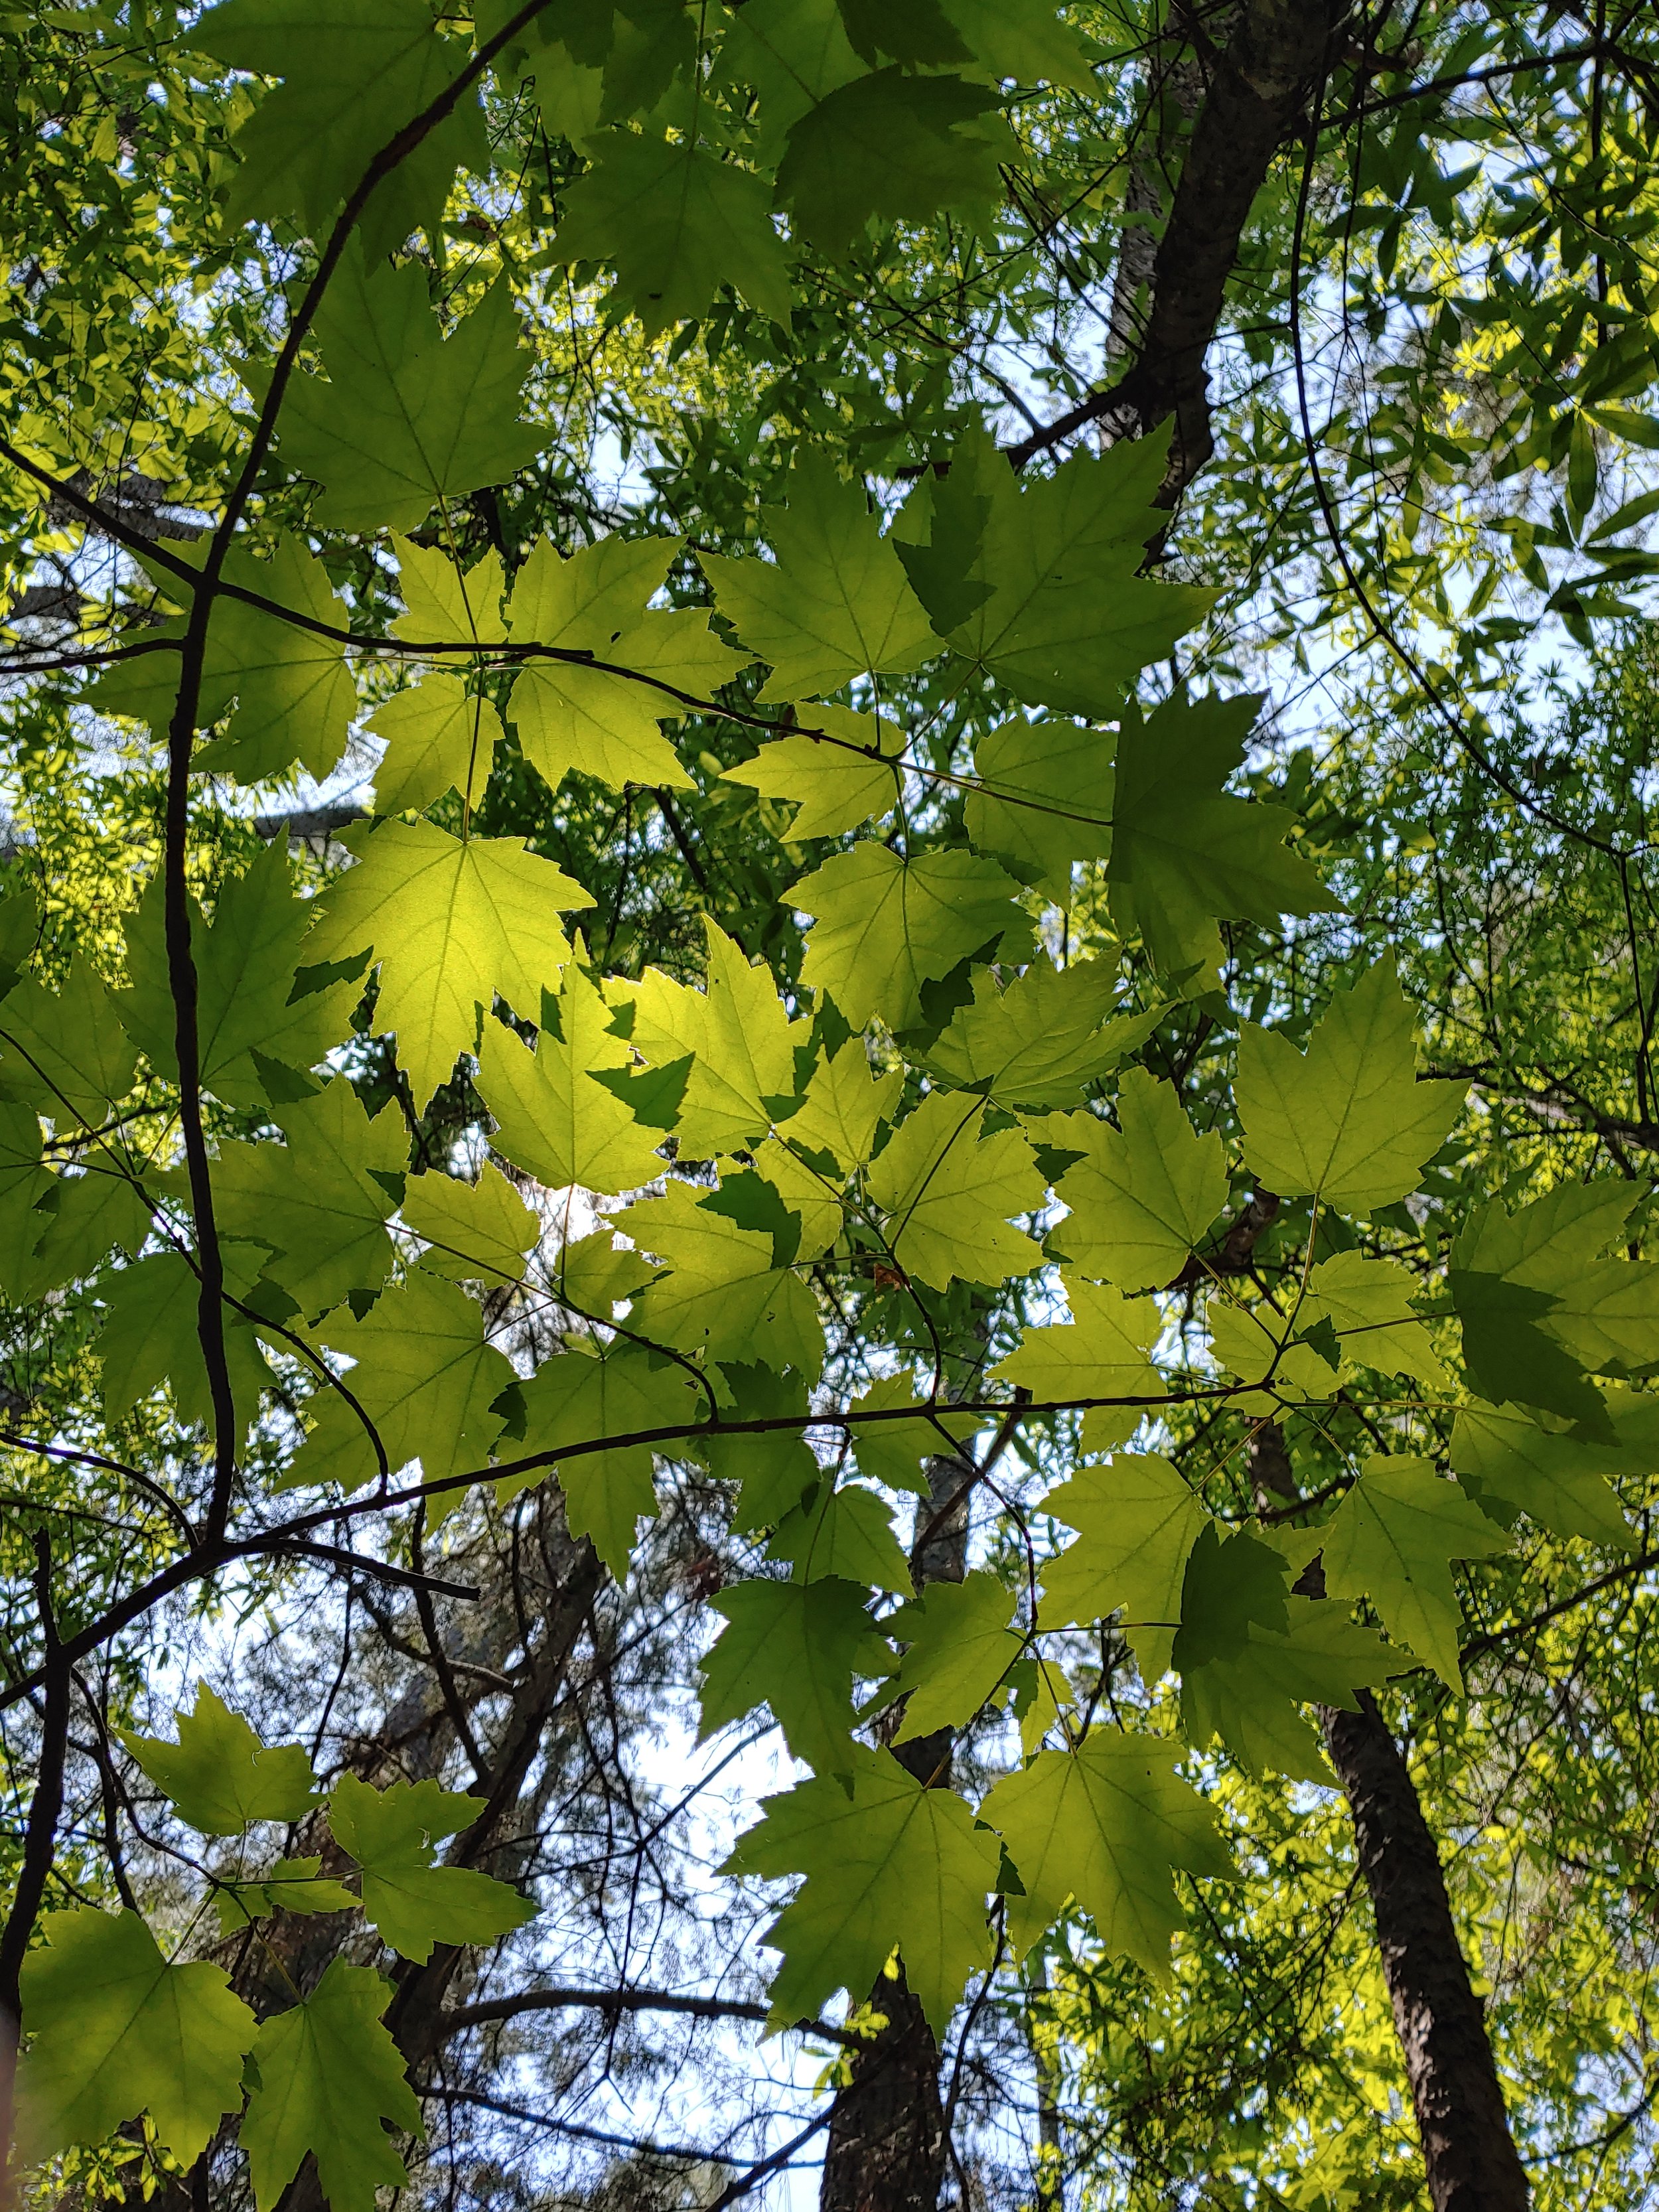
888,2144
1472,2162
1469,2154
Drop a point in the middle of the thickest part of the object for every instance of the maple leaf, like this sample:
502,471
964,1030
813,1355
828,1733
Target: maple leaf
1037,581
293,693
1040,1039
152,1334
219,1776
426,1379
438,737
1108,1824
835,602
405,416
961,1648
451,922
842,1530
1100,1354
327,2075
677,224
412,1903
894,146
354,79
66,1053
839,774
1137,1520
579,1399
323,1233
774,1468
886,926
1368,1303
253,1008
292,1886
1348,1119
888,1865
551,1118
726,1295
1042,800
737,1034
1184,850
116,2030
1564,1483
61,1226
1026,42
846,1102
1393,1540
1143,1194
445,603
948,1192
1250,1696
895,1452
795,1646
475,1232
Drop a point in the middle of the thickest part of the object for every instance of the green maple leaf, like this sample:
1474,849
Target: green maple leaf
1259,1344
450,922
1107,1823
551,1118
1604,1312
151,1335
411,1902
845,1104
66,1053
843,1531
1563,1483
354,78
115,2030
1248,1694
445,603
793,53
1036,581
774,1468
1347,1122
424,1376
725,1296
323,1229
920,32
838,779
1393,1540
677,224
328,2073
886,926
1024,40
961,1648
438,737
812,1194
948,1192
1137,1520
1368,1303
569,715
1038,1041
1143,1194
795,1646
895,146
293,691
888,1864
475,1232
1101,1353
1042,800
737,1034
62,1226
835,602
1185,852
405,416
292,1886
219,1776
253,1004
579,1399
1508,1354
896,1452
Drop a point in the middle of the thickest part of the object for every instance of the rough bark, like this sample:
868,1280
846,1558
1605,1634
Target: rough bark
887,2145
1258,89
1468,2152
